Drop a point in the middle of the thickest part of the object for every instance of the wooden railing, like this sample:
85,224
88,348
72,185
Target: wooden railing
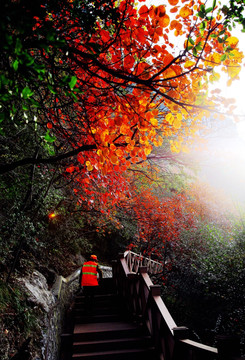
135,261
144,302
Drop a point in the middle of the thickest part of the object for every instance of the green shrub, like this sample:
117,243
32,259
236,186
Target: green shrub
205,285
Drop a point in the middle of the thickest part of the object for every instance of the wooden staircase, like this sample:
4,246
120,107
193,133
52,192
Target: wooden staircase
108,332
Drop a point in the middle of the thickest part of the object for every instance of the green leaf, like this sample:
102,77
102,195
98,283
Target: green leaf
24,107
50,148
15,65
49,138
214,4
30,62
4,80
223,57
209,10
2,116
51,151
203,25
65,79
74,97
72,82
194,52
229,48
13,110
9,39
50,87
201,14
34,103
202,8
27,92
222,32
199,46
78,91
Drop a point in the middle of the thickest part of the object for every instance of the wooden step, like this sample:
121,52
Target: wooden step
132,354
106,309
106,285
102,331
97,305
98,297
105,333
85,319
112,344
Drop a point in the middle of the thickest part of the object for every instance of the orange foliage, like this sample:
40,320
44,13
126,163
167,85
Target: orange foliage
132,89
173,2
143,11
185,12
160,221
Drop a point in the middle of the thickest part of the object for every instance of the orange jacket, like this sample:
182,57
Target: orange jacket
89,274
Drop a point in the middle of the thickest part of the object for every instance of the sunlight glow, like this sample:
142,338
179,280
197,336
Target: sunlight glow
241,130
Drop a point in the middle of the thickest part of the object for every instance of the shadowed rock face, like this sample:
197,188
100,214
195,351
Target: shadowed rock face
54,309
37,289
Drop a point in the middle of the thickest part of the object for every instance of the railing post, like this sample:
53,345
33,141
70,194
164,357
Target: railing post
132,300
228,347
179,351
142,269
154,320
114,271
155,290
181,332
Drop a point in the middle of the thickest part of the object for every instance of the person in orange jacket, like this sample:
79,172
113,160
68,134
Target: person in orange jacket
89,280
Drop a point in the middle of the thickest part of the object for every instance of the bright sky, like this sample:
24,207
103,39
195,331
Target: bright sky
223,163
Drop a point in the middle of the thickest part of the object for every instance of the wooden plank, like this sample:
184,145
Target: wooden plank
199,346
101,327
165,313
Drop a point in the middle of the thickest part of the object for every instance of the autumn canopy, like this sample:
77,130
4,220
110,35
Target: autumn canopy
101,84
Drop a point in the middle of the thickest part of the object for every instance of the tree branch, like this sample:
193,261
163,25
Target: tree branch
50,160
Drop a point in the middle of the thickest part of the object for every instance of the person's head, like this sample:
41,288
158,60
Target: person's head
94,258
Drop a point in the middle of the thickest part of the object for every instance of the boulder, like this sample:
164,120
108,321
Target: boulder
36,287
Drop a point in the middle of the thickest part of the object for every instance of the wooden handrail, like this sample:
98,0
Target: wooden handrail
57,287
134,261
60,281
144,302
